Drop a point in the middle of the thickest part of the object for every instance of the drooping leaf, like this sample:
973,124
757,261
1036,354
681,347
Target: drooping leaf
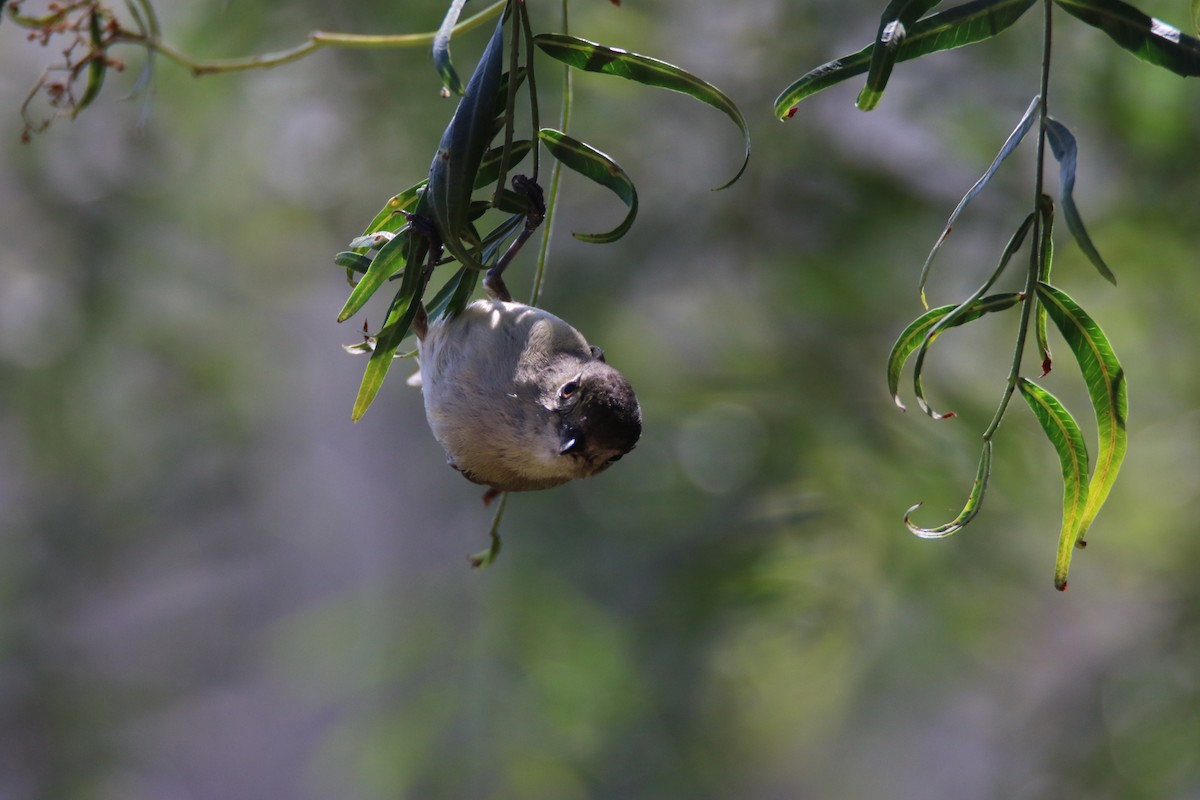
1010,144
1063,432
1045,264
591,163
355,262
391,216
962,25
1062,144
452,175
441,48
893,27
912,336
592,57
1149,39
1014,244
401,314
387,262
1106,384
97,65
970,509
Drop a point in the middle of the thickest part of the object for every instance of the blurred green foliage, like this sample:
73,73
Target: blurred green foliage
214,585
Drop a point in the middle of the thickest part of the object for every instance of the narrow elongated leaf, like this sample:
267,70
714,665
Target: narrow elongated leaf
1014,244
592,57
912,336
391,216
591,163
893,28
1010,144
97,66
355,262
1105,379
1063,432
1149,39
955,27
401,314
455,166
1062,144
970,509
441,48
387,262
1045,264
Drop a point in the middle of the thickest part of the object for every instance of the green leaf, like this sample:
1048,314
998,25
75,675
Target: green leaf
441,48
912,336
401,314
962,25
1147,38
1045,263
1010,144
456,165
591,163
970,509
387,262
1196,15
355,262
1014,244
489,167
1063,432
592,57
893,27
1062,144
97,66
1105,379
391,217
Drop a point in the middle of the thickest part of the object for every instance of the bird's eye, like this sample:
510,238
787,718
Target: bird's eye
568,390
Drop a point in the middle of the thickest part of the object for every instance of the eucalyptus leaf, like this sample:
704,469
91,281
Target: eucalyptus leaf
1062,144
1106,385
970,509
893,28
955,27
593,164
1063,432
1150,39
1010,144
593,57
912,336
452,174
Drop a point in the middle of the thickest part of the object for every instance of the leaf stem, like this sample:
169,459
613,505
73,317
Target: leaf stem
1035,251
555,174
316,41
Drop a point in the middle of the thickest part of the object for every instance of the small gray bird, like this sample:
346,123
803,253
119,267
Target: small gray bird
518,398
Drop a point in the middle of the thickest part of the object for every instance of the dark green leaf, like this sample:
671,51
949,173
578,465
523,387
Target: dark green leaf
592,57
453,296
1062,144
1063,432
1105,379
1010,144
353,261
441,48
591,163
915,333
452,175
893,27
97,66
1147,38
1045,264
970,509
962,25
489,167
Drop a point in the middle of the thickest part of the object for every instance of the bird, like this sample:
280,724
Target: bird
518,398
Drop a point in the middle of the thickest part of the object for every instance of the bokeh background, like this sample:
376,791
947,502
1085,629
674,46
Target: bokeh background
214,585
